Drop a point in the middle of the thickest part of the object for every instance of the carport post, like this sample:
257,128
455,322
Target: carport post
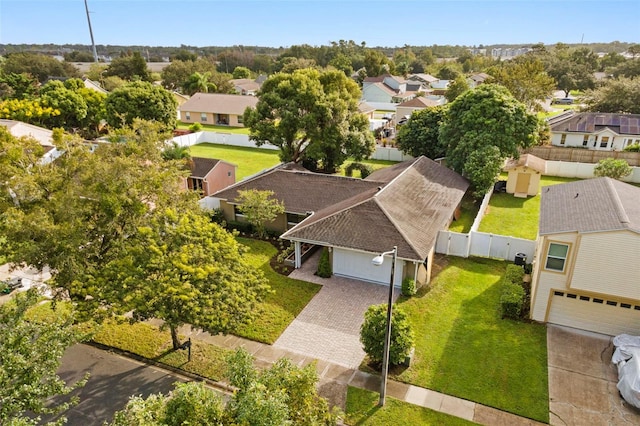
377,261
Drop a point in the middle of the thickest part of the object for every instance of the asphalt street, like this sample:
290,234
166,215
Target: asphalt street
113,379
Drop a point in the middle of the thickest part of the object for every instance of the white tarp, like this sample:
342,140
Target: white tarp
627,358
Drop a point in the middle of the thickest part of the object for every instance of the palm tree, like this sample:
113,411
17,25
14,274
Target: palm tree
177,152
198,82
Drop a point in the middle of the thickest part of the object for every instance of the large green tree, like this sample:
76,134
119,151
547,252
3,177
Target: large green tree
40,66
420,135
486,117
129,66
618,95
313,116
198,82
526,79
30,353
72,106
183,269
141,100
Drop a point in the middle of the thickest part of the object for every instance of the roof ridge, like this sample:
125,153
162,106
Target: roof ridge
388,184
615,197
398,228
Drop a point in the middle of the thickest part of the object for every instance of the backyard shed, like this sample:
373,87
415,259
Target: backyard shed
524,175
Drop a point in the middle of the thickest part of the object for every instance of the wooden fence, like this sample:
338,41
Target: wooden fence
578,155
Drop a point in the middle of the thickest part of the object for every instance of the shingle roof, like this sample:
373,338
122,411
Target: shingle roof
300,191
417,199
218,103
200,167
592,205
419,102
590,122
527,160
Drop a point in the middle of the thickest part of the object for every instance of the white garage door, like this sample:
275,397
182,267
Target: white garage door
601,315
355,264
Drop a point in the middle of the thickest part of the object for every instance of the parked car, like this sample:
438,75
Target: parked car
7,286
563,101
627,359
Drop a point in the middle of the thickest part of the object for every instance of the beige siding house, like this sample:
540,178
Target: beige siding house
586,274
216,109
524,175
404,205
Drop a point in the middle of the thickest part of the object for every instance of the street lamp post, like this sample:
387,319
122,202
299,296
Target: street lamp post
377,261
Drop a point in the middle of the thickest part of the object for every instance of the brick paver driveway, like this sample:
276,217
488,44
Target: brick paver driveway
328,328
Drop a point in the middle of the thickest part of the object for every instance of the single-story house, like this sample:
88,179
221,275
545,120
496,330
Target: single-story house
597,130
43,136
246,86
586,272
389,88
405,109
524,175
426,79
209,175
477,79
216,109
404,205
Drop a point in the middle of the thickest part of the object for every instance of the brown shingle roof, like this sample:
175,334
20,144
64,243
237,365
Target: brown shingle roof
417,199
218,103
527,160
200,167
419,102
592,205
300,191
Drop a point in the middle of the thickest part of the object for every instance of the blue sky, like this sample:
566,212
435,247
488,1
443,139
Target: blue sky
287,22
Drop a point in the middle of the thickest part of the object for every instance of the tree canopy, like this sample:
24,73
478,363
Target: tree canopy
483,127
40,66
129,66
260,208
613,168
141,100
420,135
311,115
617,95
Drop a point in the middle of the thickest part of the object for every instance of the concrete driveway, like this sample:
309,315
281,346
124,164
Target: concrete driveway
582,380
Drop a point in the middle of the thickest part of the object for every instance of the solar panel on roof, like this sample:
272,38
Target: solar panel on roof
615,120
634,130
624,128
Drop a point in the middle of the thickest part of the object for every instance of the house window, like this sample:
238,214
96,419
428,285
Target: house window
585,140
556,257
195,184
604,142
293,219
203,116
187,115
563,139
237,212
239,119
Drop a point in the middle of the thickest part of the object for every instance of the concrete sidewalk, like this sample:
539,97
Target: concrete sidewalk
334,379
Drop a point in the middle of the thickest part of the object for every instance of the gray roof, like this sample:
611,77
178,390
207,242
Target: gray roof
300,191
218,103
592,205
415,200
591,122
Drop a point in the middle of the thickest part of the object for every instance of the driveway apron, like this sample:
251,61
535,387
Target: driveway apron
328,328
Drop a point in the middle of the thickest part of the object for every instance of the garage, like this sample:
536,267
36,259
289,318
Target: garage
594,313
357,265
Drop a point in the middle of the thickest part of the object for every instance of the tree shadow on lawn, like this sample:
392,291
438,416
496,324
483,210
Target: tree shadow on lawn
493,361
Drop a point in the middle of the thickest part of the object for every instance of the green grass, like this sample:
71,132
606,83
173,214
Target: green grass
362,409
464,348
280,307
516,217
248,160
468,213
212,128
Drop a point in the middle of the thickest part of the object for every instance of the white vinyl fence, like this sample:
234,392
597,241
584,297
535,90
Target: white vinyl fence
582,170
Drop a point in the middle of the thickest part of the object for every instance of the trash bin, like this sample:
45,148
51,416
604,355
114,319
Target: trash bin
521,259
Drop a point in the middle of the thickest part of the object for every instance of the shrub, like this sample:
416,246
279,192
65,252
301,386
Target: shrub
373,331
511,300
285,253
633,148
514,274
610,167
244,227
408,287
217,216
324,265
195,127
364,169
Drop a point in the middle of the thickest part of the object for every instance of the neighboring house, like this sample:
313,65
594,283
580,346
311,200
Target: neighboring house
477,79
440,84
389,88
209,175
596,130
586,273
425,79
404,205
405,109
366,109
524,175
246,86
216,109
42,135
90,84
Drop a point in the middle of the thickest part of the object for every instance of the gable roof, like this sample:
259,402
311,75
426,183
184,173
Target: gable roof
300,191
20,129
427,78
417,199
419,102
591,122
219,103
592,205
527,160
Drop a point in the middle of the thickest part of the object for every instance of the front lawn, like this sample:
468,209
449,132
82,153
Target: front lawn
516,217
465,349
212,128
362,409
280,307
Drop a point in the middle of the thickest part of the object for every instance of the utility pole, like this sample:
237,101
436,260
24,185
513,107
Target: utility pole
93,43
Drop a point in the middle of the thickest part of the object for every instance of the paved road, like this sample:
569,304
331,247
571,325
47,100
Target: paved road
113,379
